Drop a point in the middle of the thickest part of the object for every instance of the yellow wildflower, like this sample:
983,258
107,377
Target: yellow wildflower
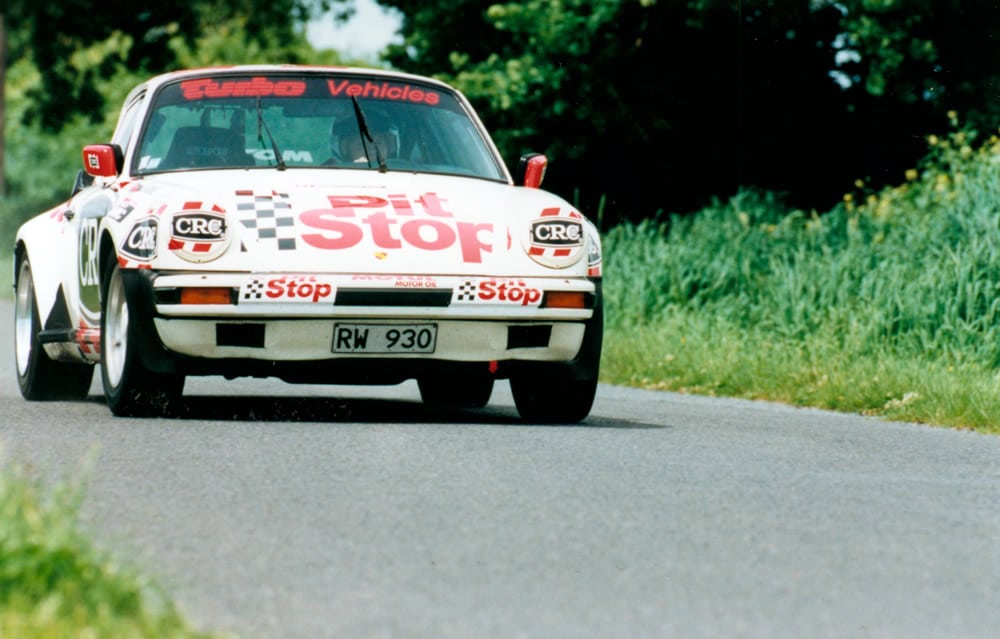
941,182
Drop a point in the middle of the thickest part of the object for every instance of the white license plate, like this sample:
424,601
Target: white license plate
384,338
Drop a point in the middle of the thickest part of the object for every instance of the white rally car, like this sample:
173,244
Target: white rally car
319,225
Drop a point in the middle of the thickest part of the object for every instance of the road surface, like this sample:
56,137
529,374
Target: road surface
280,511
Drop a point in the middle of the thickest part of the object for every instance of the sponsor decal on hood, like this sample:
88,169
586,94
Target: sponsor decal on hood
393,223
199,232
556,238
140,242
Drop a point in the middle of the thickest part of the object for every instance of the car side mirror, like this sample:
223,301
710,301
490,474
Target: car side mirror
83,180
531,170
102,160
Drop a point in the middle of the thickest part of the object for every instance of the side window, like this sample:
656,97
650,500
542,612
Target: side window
462,145
197,134
161,129
126,123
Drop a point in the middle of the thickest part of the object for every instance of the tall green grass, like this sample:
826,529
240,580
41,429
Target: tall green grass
901,284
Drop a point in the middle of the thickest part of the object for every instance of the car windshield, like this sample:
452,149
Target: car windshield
291,121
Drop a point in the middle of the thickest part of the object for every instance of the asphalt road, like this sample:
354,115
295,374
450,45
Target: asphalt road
278,511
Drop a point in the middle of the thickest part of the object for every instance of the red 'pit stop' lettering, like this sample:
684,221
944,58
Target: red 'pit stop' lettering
394,224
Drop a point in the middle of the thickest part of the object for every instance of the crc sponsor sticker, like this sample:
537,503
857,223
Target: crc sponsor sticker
310,289
140,241
556,238
497,291
198,234
548,232
199,227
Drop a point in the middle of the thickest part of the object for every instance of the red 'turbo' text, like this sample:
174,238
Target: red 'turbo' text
208,88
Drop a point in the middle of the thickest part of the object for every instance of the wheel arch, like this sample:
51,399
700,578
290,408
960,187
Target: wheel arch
106,252
19,252
45,273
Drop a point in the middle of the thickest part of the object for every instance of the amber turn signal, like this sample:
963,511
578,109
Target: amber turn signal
564,299
206,295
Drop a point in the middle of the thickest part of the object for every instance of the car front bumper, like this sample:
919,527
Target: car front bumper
284,325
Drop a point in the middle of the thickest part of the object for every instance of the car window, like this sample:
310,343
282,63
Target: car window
127,121
231,121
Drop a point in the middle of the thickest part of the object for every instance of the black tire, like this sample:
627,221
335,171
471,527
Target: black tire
553,397
39,377
130,389
471,391
562,393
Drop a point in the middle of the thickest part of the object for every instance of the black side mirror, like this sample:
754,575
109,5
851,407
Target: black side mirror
119,156
82,181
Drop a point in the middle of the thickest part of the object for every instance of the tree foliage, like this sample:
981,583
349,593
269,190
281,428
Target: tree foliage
942,52
661,104
147,39
643,105
68,71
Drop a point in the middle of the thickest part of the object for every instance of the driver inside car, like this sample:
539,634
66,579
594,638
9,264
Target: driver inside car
347,145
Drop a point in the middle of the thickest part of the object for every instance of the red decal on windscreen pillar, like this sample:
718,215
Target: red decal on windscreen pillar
353,218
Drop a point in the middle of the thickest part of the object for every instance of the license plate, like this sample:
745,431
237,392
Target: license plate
384,338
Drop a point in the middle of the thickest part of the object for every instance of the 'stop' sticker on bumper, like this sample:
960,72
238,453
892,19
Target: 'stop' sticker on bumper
288,288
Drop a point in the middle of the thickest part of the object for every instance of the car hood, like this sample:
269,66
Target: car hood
352,221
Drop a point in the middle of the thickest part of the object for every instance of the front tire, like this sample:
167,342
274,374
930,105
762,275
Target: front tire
562,393
553,396
39,377
130,389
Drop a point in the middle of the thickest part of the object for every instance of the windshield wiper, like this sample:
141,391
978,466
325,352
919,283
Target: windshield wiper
261,128
366,134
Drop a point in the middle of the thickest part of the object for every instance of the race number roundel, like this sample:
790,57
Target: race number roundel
199,234
556,238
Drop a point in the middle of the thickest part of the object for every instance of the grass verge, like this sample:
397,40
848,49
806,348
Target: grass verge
888,304
687,353
55,582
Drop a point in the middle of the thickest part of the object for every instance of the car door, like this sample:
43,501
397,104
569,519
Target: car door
84,218
84,214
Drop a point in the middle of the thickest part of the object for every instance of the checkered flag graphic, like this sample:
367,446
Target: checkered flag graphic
253,290
270,214
466,292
